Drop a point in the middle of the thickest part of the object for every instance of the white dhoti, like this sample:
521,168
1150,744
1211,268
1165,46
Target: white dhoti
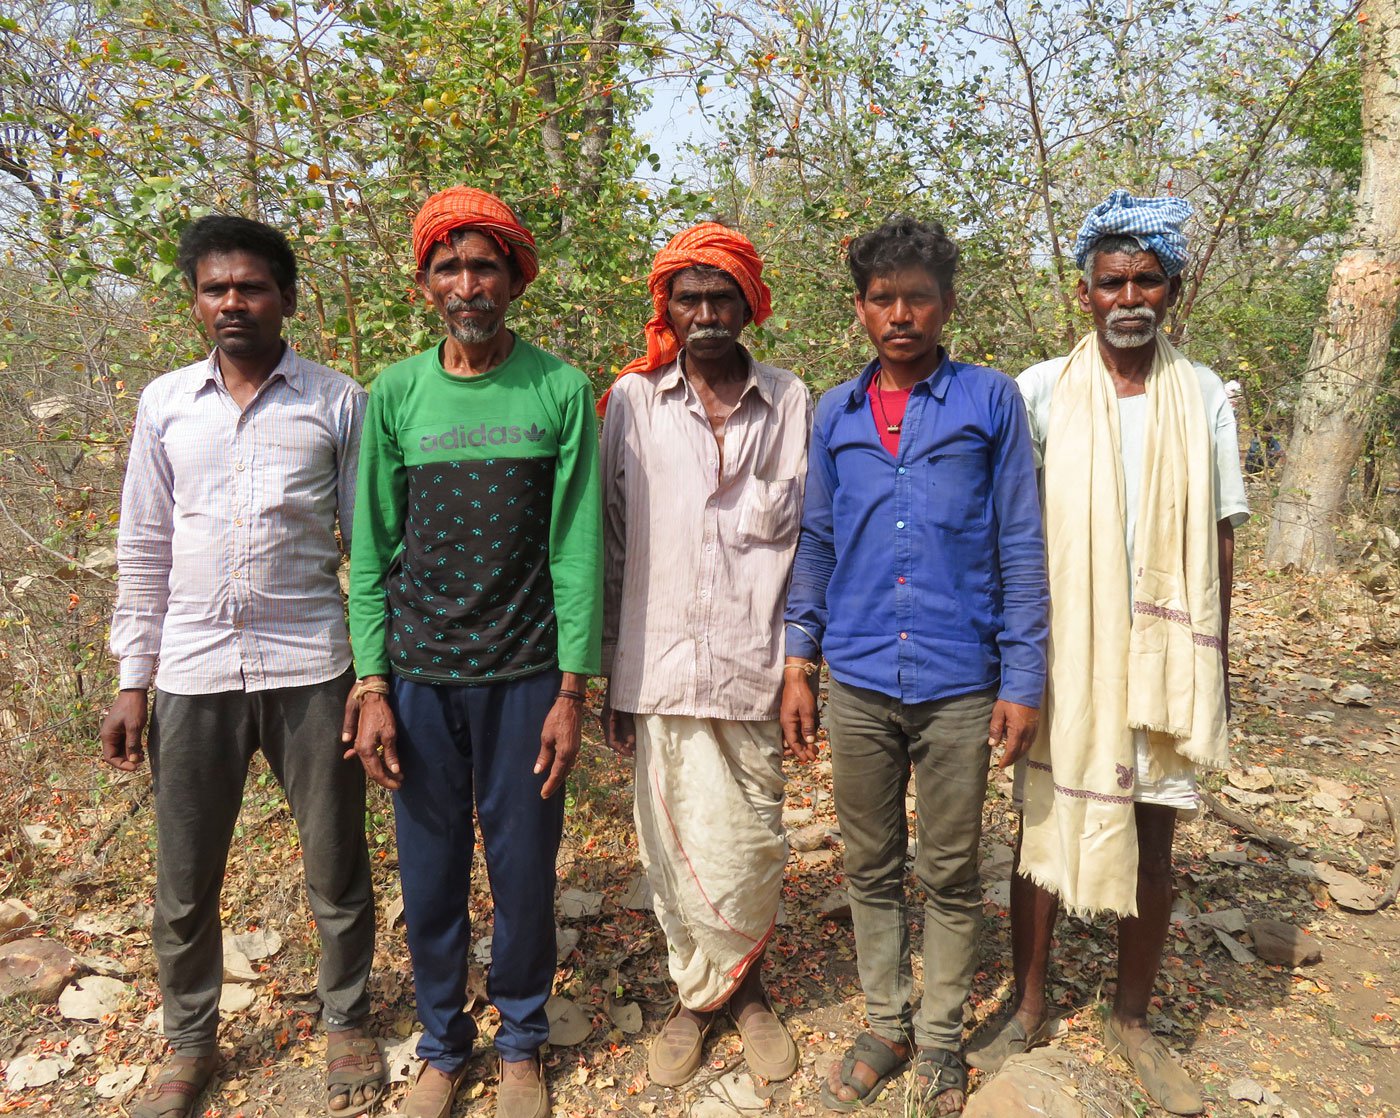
709,813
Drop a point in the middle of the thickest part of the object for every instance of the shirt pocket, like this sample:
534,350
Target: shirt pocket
956,491
769,512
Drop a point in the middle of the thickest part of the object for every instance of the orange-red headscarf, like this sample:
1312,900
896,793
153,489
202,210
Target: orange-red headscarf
707,243
460,207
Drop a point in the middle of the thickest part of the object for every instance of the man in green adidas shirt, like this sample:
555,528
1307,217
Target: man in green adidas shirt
475,613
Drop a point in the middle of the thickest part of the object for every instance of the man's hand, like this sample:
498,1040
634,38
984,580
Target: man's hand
1014,727
559,743
122,730
369,725
799,713
619,728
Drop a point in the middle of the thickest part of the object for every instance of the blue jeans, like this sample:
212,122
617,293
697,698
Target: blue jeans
461,746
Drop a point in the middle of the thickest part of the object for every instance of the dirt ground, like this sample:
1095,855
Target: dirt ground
1322,1039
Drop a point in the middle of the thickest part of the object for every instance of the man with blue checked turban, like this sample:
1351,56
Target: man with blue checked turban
1142,491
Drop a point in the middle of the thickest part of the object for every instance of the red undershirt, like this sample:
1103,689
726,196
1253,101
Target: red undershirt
887,407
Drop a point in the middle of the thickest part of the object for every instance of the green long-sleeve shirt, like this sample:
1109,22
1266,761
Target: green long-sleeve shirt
477,553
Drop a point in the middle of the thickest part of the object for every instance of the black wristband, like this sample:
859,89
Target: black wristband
564,693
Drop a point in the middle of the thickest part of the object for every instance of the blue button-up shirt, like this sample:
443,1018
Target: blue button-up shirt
922,576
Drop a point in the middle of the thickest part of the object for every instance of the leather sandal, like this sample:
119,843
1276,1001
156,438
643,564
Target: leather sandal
353,1066
879,1057
176,1087
940,1074
678,1049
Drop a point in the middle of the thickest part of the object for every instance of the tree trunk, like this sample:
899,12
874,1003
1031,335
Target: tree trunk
1352,339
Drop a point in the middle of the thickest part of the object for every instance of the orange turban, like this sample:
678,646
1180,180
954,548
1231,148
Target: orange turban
465,207
707,243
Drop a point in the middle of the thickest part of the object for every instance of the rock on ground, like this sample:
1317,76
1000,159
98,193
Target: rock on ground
1038,1084
1277,942
36,969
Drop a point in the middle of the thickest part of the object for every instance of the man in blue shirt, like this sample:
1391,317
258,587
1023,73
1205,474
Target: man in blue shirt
920,576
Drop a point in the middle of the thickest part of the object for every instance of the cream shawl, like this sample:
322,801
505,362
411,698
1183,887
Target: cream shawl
1122,658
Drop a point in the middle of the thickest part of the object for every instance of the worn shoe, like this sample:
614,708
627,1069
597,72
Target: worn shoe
994,1048
433,1092
1158,1072
677,1051
768,1048
522,1093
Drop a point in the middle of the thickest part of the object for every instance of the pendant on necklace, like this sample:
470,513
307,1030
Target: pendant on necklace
893,428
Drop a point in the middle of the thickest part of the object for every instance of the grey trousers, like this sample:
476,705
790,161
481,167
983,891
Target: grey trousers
200,747
876,742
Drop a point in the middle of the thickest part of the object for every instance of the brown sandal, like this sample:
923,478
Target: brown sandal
353,1064
176,1087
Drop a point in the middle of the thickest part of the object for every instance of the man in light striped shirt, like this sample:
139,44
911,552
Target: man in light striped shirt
704,458
241,465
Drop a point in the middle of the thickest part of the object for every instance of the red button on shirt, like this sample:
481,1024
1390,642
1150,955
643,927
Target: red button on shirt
901,579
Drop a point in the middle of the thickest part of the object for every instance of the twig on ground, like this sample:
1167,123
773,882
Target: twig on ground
1242,822
1393,889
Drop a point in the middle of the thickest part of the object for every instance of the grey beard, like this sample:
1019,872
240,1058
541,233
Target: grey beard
1130,339
470,333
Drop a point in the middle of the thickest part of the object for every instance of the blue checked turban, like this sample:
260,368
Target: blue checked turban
1155,223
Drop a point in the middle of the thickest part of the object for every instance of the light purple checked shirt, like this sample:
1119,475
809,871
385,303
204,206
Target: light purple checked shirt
227,550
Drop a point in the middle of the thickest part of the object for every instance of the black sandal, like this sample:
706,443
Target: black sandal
880,1058
942,1072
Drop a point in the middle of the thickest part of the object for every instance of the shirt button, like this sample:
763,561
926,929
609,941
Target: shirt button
239,524
900,470
897,523
239,467
904,636
901,580
237,574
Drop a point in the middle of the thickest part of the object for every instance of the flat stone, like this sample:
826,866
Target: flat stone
836,906
810,837
1036,1084
16,914
1278,942
35,969
1368,811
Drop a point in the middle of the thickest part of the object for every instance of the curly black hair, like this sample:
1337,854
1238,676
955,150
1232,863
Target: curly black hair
903,242
220,233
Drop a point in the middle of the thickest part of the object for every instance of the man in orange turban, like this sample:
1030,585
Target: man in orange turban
475,613
708,245
704,461
458,209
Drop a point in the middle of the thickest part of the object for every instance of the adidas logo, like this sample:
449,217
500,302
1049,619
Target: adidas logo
481,435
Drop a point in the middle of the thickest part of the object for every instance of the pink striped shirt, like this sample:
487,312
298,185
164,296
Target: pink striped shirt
697,554
226,549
